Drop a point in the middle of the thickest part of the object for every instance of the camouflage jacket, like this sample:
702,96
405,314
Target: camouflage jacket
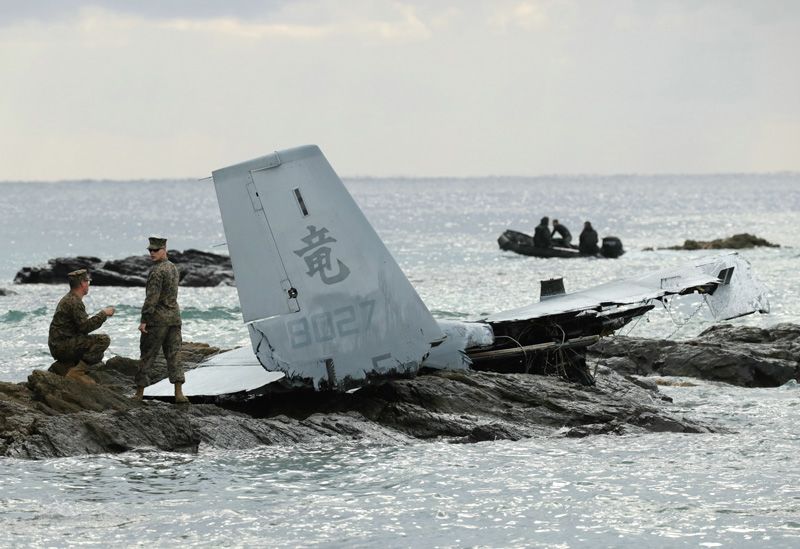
161,299
70,320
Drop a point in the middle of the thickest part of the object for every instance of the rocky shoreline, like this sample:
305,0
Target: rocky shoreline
739,355
51,416
196,269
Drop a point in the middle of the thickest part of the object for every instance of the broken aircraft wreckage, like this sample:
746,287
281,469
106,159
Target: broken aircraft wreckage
327,306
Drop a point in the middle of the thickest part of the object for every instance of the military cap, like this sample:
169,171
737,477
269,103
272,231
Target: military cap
79,275
157,243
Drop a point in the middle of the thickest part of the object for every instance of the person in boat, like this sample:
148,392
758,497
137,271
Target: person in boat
565,237
541,236
588,240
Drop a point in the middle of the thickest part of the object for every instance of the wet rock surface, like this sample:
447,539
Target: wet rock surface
4,292
739,355
196,269
53,416
735,242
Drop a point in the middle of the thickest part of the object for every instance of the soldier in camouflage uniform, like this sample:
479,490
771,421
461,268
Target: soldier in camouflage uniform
69,340
161,321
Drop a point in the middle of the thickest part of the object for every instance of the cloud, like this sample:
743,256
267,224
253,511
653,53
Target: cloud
523,15
14,11
398,21
145,89
304,19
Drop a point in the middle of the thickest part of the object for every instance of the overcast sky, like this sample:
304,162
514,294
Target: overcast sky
147,89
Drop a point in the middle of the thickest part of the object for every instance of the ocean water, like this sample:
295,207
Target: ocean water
723,490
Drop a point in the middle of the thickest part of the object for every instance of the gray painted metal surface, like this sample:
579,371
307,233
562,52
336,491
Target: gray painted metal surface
450,354
324,300
226,373
741,295
321,295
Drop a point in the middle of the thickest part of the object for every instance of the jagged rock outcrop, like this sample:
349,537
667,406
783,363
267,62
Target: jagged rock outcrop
739,355
196,269
52,416
735,242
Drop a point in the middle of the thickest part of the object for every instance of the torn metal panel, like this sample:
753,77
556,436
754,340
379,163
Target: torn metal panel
460,336
745,296
738,293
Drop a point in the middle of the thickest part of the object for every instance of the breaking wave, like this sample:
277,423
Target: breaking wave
211,313
12,317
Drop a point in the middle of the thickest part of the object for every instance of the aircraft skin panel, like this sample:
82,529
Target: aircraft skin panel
739,295
451,353
749,295
324,300
226,373
321,293
250,242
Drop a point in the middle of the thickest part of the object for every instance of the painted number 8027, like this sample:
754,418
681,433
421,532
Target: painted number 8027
322,327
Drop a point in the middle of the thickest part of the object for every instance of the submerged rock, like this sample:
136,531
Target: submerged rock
739,355
4,292
735,242
196,268
53,416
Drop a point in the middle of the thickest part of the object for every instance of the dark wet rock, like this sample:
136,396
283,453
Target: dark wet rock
735,242
120,371
196,268
473,406
4,292
53,416
739,355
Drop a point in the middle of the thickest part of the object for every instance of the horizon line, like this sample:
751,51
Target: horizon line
412,177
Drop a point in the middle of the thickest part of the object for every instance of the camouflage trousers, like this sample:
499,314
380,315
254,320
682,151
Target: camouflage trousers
164,338
88,348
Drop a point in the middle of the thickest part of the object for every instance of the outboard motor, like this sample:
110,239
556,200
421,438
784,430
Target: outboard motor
551,288
612,247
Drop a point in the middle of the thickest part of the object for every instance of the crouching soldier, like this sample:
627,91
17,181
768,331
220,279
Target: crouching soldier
161,321
70,341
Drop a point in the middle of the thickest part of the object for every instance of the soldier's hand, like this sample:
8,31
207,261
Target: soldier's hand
143,327
109,311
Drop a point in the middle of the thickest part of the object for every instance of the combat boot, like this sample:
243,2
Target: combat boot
78,373
179,396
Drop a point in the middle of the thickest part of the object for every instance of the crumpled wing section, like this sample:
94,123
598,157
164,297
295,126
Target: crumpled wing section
739,293
728,278
451,353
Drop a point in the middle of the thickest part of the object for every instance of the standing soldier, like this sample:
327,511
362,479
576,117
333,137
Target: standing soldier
161,321
69,340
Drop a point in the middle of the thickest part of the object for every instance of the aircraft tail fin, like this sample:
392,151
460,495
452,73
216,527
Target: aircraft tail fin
321,295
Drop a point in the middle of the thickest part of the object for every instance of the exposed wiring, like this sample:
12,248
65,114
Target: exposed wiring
679,325
524,354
